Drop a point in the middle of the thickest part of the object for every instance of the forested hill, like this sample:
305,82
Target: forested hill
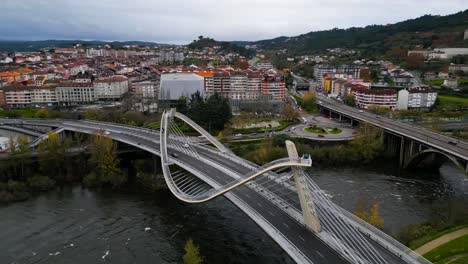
427,31
20,45
205,42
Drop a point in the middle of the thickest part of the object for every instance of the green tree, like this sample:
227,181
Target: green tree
212,113
309,102
369,144
192,253
20,156
52,156
105,161
42,113
134,118
350,100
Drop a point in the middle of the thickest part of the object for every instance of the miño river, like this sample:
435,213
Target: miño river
76,225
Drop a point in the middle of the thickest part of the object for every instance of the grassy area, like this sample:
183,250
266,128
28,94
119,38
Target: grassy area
321,130
153,125
448,99
333,130
462,260
315,130
433,235
283,124
436,82
26,112
452,248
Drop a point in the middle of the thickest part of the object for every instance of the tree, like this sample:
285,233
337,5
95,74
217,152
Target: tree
350,100
369,144
21,156
415,61
42,113
369,213
378,110
105,161
52,156
241,64
212,113
181,105
309,102
289,112
374,217
134,118
192,253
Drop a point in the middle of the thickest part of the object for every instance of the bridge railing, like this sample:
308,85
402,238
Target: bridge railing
388,239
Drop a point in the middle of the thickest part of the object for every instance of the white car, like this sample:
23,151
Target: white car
186,145
361,111
107,133
238,135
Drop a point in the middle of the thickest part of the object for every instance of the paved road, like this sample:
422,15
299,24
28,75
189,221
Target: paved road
438,141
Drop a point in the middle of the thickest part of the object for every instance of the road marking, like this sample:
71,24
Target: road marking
287,226
271,213
319,254
302,238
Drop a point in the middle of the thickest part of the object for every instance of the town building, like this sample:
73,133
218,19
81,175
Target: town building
352,71
176,85
111,88
416,98
366,97
75,94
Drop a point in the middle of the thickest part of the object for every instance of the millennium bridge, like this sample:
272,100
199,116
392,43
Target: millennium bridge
279,196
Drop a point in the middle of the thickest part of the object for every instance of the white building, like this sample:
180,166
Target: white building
416,98
176,85
112,88
75,93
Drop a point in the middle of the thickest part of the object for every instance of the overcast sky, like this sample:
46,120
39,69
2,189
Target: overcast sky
180,21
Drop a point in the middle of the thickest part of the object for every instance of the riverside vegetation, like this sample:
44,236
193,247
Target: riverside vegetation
24,172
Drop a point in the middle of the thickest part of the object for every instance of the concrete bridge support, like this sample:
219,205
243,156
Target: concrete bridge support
311,219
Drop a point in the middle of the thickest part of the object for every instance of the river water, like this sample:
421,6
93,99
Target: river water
75,225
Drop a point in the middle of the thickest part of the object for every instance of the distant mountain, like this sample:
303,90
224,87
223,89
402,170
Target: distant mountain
19,45
426,31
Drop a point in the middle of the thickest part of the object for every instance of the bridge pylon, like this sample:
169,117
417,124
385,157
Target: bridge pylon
311,219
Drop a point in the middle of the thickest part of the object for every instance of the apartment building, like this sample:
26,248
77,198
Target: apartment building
146,88
274,87
238,86
352,71
254,83
221,84
111,88
366,97
75,93
43,96
416,98
17,96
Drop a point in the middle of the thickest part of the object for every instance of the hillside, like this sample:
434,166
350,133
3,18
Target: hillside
426,31
17,45
203,42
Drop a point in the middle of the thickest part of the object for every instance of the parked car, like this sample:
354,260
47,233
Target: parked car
321,136
175,155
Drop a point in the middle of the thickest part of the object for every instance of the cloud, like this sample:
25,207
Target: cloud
180,21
